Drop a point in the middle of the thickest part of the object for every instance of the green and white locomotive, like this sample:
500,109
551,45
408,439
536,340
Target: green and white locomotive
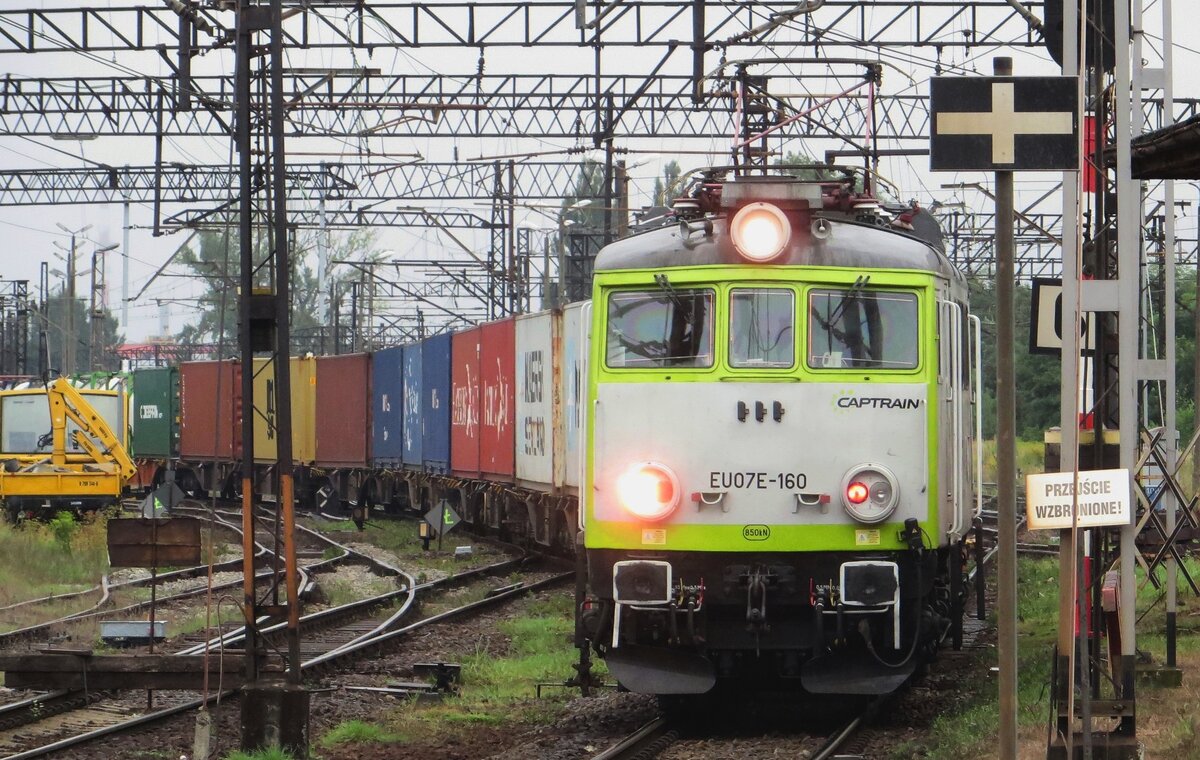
782,439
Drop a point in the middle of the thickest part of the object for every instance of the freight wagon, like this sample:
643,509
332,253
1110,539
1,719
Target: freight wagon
486,420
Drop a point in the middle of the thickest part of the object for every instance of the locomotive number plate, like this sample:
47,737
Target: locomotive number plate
726,480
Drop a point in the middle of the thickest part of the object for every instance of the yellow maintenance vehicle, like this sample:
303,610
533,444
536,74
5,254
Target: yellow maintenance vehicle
80,465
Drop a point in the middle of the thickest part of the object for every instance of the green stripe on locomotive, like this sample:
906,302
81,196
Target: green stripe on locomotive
796,536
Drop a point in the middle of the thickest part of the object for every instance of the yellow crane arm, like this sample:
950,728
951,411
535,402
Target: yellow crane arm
94,435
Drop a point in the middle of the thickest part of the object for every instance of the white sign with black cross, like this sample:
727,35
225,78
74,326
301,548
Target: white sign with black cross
1003,124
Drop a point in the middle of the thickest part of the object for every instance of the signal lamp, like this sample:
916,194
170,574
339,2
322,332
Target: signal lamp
870,493
760,232
857,492
648,490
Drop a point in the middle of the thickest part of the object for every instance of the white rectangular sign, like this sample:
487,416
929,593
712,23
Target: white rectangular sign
1103,499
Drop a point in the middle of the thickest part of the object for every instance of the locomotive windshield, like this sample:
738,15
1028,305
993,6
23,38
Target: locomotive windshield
862,329
663,328
761,330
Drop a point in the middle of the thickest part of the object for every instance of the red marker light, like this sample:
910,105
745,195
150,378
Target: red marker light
648,491
857,492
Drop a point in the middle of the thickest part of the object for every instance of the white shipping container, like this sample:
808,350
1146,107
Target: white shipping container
573,390
535,365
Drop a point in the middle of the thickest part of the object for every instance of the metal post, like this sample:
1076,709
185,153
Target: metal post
512,277
69,338
698,48
622,200
1168,398
244,52
1127,97
562,296
283,382
324,302
125,270
43,321
1069,405
93,323
1006,460
609,173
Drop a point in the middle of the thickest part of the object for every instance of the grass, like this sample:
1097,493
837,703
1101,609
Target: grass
1165,716
38,559
470,593
498,690
273,753
1030,459
399,538
359,732
339,591
970,729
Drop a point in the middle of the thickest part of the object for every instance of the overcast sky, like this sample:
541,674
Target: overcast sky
30,232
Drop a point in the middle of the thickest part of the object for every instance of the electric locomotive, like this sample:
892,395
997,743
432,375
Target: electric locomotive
782,439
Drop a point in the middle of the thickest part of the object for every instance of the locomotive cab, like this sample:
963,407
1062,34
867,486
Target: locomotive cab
780,441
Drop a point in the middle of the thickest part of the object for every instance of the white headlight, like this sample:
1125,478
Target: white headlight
760,232
648,490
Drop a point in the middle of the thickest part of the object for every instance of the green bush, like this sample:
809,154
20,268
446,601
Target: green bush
64,528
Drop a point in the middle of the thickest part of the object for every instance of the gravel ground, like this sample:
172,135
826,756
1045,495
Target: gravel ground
576,728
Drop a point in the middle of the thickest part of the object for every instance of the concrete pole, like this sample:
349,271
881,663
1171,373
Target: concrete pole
1006,454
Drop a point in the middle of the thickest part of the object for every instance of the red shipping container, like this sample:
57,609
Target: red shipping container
464,403
498,377
208,426
343,410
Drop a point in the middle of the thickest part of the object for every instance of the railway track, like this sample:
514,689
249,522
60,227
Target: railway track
659,735
49,723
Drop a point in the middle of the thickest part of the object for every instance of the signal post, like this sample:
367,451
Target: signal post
1005,124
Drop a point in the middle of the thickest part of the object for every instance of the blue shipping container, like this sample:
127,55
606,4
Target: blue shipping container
413,437
387,399
435,402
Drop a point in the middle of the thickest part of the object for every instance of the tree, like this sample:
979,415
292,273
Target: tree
55,330
1038,376
666,188
583,208
215,258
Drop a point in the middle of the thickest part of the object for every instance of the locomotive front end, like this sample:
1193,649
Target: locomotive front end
768,494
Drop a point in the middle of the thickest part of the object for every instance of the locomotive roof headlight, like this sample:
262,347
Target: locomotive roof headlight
760,232
870,493
648,490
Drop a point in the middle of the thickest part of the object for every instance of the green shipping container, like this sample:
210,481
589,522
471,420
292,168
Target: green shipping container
156,413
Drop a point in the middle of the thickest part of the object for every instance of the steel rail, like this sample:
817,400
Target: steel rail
95,611
636,742
319,661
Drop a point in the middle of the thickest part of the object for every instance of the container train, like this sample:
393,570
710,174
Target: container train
761,435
